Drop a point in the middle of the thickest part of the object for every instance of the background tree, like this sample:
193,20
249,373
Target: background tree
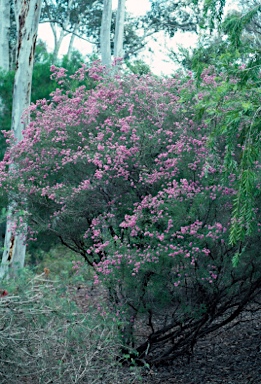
5,34
105,37
76,18
166,17
119,30
28,17
84,18
64,22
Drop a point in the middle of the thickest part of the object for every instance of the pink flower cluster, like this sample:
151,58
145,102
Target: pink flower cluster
131,164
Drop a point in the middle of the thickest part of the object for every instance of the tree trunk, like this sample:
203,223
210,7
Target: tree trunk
4,34
119,30
28,19
57,46
70,47
62,27
106,33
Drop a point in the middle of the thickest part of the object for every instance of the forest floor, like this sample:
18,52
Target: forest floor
231,355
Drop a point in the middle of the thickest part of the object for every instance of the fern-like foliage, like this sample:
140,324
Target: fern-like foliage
213,12
238,117
235,24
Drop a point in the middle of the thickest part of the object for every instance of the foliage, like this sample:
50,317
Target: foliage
46,253
236,23
225,50
85,14
233,104
84,19
213,12
233,101
6,88
123,174
169,16
138,67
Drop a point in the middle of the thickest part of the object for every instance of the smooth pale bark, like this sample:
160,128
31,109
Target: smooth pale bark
105,38
4,34
70,47
28,13
57,43
4,40
119,30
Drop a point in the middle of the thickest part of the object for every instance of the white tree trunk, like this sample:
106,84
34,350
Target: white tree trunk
119,30
70,47
4,40
4,34
28,19
57,45
106,33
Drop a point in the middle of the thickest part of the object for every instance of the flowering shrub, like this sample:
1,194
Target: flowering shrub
122,174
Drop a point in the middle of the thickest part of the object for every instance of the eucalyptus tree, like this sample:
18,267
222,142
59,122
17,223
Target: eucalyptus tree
58,35
91,20
243,26
96,22
27,18
105,37
165,17
76,18
4,34
119,29
170,16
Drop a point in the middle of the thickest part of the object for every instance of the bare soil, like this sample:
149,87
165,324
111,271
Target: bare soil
228,356
231,355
